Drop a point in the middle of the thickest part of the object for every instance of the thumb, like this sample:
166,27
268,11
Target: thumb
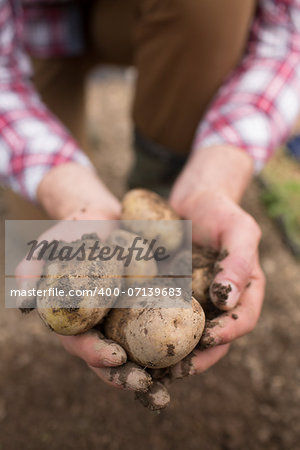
239,241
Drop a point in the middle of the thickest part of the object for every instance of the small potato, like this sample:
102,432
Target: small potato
201,280
156,337
201,276
138,271
143,205
70,322
76,312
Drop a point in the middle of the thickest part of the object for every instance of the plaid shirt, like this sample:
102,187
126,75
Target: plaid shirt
255,108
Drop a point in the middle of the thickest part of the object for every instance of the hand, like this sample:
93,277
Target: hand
72,192
206,194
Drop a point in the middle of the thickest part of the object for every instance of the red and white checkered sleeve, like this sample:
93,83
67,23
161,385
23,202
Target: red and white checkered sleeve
32,141
257,106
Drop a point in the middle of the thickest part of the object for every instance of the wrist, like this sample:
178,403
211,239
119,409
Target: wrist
71,189
224,171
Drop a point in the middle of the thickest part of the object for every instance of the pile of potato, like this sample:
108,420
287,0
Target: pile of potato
153,337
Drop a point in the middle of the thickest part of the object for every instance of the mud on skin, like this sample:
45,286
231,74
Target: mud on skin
156,398
221,292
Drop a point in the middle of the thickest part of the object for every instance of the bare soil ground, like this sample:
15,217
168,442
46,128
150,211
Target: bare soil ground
250,400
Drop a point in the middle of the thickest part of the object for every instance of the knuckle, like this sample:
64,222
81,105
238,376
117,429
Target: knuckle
253,226
252,316
224,349
257,231
262,278
226,337
67,343
243,269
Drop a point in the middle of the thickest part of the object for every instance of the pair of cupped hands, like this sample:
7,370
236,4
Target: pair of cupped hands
218,222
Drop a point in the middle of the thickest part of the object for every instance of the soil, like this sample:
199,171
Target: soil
249,400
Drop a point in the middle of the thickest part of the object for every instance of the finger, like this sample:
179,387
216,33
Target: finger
241,320
26,304
28,272
129,376
156,398
27,275
72,228
240,237
203,360
199,361
94,349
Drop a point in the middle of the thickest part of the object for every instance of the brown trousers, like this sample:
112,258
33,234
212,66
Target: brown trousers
182,49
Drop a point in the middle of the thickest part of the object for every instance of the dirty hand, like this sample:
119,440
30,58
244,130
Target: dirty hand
207,192
72,192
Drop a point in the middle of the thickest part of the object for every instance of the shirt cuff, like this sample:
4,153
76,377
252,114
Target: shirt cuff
28,171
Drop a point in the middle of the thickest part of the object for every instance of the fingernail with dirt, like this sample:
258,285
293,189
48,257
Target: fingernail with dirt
130,377
111,354
110,363
156,398
224,294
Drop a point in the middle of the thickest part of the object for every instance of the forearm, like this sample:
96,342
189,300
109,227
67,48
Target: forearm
225,170
256,107
71,188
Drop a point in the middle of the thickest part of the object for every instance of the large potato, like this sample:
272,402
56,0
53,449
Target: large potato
76,313
156,337
143,205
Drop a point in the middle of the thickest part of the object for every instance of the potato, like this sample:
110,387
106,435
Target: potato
201,280
70,322
75,314
156,337
202,275
137,268
140,204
